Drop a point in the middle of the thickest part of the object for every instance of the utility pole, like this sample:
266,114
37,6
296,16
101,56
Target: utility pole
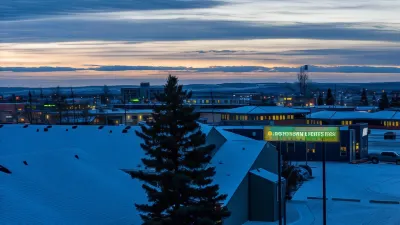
280,182
73,104
125,109
30,107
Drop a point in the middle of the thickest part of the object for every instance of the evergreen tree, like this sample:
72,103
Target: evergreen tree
177,178
341,99
384,101
364,98
374,100
320,100
330,100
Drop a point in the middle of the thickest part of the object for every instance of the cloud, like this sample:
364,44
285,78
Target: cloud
26,9
350,56
225,69
180,30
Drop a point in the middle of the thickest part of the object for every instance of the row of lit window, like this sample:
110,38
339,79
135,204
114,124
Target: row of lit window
246,117
347,122
391,123
314,122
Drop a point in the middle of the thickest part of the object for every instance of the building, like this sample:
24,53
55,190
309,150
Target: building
376,120
142,94
353,144
98,160
255,115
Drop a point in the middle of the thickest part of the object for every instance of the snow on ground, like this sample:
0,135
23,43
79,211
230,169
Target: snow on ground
364,182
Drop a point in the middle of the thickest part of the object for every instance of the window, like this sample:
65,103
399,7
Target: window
320,122
391,154
343,151
308,121
384,123
397,124
357,146
207,101
273,117
261,117
311,147
237,117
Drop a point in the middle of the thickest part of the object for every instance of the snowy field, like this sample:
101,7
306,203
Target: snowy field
363,182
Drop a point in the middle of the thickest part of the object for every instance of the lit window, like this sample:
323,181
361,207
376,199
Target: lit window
269,117
343,151
308,122
273,117
384,123
207,101
237,117
320,122
261,117
245,117
397,124
357,146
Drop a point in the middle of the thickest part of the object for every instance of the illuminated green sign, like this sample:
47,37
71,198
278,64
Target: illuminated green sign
135,100
49,105
302,134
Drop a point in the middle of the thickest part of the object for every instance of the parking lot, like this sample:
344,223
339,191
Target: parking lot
350,190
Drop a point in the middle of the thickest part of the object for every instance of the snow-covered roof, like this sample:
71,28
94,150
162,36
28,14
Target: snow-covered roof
339,115
263,110
233,161
58,188
266,174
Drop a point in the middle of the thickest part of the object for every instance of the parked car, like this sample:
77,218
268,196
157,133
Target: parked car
387,156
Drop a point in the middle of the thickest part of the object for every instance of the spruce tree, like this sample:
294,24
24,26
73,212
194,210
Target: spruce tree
177,178
364,98
330,100
374,101
384,101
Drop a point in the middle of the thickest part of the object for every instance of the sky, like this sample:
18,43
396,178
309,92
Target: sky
95,42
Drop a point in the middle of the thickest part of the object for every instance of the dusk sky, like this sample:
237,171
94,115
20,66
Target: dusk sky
96,42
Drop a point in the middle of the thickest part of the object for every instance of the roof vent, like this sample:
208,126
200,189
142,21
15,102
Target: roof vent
101,127
110,131
46,129
139,166
74,127
37,130
228,174
128,127
76,156
220,162
1,125
49,126
66,129
125,131
4,170
25,126
25,163
243,148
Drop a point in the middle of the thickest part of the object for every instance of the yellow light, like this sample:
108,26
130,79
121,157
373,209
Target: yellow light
47,116
140,117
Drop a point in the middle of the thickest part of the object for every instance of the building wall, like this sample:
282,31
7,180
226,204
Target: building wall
301,151
238,204
263,199
211,117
